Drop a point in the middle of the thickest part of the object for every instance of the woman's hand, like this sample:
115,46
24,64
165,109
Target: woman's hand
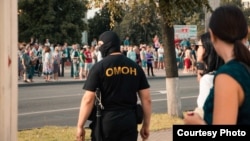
192,118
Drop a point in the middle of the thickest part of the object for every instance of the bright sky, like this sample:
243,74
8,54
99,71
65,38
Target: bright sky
91,13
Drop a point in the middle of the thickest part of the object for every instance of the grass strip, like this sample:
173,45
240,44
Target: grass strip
65,133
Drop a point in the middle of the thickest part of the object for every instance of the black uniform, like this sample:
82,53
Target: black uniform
119,79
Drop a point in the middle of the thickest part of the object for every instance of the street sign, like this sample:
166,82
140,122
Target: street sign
185,31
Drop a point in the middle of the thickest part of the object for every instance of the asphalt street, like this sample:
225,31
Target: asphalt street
59,104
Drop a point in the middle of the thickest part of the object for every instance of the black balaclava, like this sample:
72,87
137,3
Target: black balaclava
111,43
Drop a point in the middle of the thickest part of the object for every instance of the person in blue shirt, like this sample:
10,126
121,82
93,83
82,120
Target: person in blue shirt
126,42
150,59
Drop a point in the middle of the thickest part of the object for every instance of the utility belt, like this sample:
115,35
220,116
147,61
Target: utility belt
98,109
122,109
137,110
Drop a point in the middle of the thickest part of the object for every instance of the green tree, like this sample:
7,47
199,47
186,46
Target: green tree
233,2
102,22
140,23
57,20
98,24
171,12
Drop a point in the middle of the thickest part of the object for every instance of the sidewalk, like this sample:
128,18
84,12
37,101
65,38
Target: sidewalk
67,79
162,135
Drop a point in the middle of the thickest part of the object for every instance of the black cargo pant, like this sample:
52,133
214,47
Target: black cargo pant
116,126
61,71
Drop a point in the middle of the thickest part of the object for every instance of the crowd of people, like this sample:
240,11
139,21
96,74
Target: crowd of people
49,60
53,58
221,59
186,55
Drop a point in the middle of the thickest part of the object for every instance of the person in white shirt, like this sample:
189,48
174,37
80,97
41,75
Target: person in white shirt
211,62
160,52
47,43
143,58
131,54
98,54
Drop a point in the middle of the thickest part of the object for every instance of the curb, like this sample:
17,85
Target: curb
63,82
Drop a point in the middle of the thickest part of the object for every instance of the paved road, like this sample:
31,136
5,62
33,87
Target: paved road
59,104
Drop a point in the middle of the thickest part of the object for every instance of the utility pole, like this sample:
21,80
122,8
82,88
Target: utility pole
8,70
214,4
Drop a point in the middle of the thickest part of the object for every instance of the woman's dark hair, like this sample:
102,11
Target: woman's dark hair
47,49
229,24
210,57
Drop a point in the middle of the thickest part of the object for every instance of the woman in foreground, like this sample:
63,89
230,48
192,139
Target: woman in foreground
229,100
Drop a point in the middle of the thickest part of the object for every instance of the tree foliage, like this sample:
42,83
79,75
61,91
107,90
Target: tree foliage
138,13
172,12
140,23
98,24
232,2
57,20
